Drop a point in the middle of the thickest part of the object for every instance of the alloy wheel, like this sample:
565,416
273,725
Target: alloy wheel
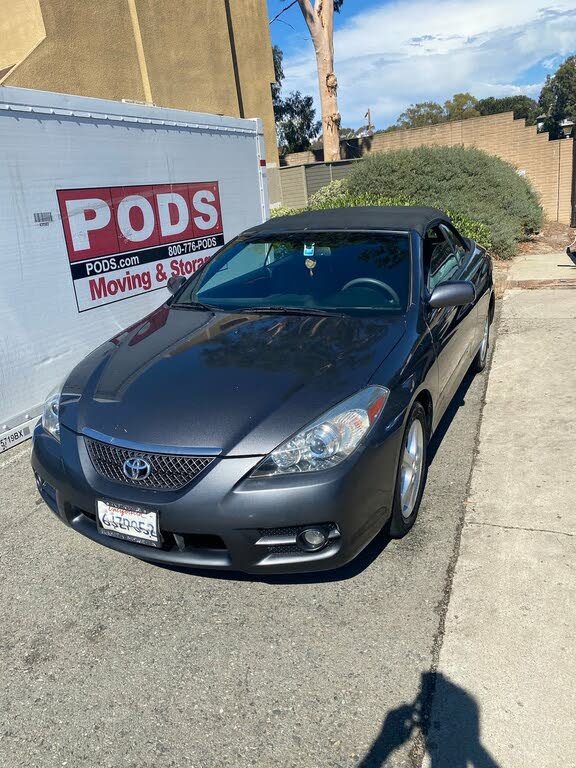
485,341
412,467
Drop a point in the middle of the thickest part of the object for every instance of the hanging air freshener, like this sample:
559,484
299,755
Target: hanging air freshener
310,264
310,261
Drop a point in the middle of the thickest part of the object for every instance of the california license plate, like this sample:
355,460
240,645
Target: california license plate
128,523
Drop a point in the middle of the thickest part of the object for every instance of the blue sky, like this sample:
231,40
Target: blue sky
393,53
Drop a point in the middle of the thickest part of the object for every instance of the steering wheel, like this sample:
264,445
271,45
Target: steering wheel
372,282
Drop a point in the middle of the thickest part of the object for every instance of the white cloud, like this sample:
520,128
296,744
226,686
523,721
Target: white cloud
422,50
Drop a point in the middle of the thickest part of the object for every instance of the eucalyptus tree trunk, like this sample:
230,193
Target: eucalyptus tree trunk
320,21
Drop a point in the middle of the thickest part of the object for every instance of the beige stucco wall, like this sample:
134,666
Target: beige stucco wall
255,65
547,164
88,50
188,55
186,61
189,58
21,28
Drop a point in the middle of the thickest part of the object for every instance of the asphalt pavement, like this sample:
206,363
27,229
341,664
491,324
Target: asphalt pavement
109,661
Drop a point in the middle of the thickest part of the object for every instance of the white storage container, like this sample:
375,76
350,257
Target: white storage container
100,203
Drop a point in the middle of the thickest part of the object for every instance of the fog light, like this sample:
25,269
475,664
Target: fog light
312,539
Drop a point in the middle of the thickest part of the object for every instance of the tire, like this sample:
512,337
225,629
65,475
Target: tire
481,357
405,507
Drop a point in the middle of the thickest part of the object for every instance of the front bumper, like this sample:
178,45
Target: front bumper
224,520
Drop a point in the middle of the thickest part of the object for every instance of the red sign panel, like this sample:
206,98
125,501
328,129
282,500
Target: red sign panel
122,241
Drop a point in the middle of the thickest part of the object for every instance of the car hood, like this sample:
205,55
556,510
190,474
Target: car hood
238,383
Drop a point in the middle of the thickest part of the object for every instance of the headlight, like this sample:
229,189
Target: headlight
50,414
330,439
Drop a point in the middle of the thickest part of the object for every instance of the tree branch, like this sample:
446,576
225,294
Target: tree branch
283,11
293,28
309,15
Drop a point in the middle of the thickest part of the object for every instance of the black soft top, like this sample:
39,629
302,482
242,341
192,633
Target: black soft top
396,218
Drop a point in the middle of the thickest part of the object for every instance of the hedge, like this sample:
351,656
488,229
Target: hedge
476,187
336,196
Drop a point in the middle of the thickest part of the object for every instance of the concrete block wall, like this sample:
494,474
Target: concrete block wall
301,158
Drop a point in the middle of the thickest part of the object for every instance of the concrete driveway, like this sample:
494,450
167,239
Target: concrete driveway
108,661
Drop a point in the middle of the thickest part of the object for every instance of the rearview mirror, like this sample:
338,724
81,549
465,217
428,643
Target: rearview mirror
175,283
452,293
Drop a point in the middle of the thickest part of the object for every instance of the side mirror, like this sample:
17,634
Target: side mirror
452,293
175,283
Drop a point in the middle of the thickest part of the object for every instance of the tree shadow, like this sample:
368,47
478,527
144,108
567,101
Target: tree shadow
452,742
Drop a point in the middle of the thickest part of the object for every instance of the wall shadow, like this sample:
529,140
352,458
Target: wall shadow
455,743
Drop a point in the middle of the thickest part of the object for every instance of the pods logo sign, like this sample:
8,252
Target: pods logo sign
124,241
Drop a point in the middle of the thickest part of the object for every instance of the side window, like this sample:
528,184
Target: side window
277,252
441,259
453,238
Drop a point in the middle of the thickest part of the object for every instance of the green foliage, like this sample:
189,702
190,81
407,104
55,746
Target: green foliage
296,125
337,195
461,106
467,181
421,114
522,106
277,102
284,211
469,227
388,129
329,194
558,97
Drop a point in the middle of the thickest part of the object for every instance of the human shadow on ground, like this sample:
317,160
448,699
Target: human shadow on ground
452,742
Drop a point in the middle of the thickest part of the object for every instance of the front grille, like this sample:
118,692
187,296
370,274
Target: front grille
291,531
169,472
284,549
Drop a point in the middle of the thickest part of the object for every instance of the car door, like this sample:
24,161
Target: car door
476,269
448,325
468,271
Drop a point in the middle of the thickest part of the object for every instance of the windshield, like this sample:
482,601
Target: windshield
346,272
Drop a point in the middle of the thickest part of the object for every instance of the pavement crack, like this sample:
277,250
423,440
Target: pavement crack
520,528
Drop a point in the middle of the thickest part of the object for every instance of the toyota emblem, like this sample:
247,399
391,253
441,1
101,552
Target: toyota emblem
136,468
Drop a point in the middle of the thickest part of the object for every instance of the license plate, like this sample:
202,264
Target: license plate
128,523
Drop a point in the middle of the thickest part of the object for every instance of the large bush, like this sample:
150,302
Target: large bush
472,183
337,195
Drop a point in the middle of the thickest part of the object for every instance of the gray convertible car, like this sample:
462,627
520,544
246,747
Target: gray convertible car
273,415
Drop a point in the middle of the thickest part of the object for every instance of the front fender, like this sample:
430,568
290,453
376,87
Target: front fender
408,371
